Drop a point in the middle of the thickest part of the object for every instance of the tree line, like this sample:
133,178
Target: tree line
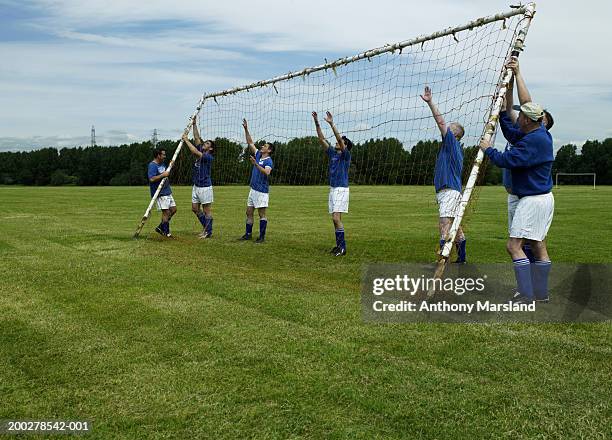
300,161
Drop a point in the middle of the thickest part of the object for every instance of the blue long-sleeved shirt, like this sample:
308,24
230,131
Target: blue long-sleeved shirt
511,131
530,159
510,128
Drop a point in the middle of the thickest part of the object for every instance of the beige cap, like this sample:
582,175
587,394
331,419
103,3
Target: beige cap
533,111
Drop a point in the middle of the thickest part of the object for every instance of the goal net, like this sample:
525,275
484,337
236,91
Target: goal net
375,101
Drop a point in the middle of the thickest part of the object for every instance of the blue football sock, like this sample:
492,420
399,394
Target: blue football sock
461,251
539,276
165,227
208,225
442,242
522,272
340,238
202,218
263,224
249,229
529,252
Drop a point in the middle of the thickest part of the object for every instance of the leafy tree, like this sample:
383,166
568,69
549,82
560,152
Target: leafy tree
299,161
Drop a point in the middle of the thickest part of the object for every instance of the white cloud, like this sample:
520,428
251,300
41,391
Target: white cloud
173,45
136,81
73,86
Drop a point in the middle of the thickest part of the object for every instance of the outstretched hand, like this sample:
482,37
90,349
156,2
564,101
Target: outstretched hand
245,124
315,116
426,96
329,118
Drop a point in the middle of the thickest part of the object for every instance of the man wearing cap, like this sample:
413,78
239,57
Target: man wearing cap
509,120
530,162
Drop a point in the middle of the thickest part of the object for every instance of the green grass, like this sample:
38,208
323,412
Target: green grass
219,339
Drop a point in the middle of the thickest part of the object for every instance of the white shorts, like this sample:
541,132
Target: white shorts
512,202
448,201
202,194
257,199
338,200
533,217
165,202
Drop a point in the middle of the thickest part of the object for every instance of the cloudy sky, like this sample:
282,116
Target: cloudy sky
129,67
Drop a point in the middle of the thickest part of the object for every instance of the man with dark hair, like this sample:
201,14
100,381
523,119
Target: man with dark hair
339,163
548,119
165,202
258,194
447,176
530,160
202,191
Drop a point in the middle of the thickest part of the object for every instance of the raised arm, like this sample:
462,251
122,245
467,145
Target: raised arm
320,135
330,120
509,102
249,139
428,98
196,133
191,147
511,132
521,87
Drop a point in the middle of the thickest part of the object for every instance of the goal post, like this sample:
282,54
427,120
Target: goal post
487,136
594,175
147,212
375,99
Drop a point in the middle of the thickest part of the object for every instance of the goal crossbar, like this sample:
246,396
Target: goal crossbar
575,174
523,10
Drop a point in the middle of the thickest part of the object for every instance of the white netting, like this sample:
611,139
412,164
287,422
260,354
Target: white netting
375,100
375,103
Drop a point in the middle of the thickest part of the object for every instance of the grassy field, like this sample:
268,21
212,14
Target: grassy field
219,339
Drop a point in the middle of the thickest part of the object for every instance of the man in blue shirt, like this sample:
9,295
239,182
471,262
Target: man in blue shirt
339,163
510,120
447,176
202,191
258,194
530,161
165,202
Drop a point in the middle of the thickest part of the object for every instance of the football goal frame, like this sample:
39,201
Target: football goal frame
523,13
576,174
